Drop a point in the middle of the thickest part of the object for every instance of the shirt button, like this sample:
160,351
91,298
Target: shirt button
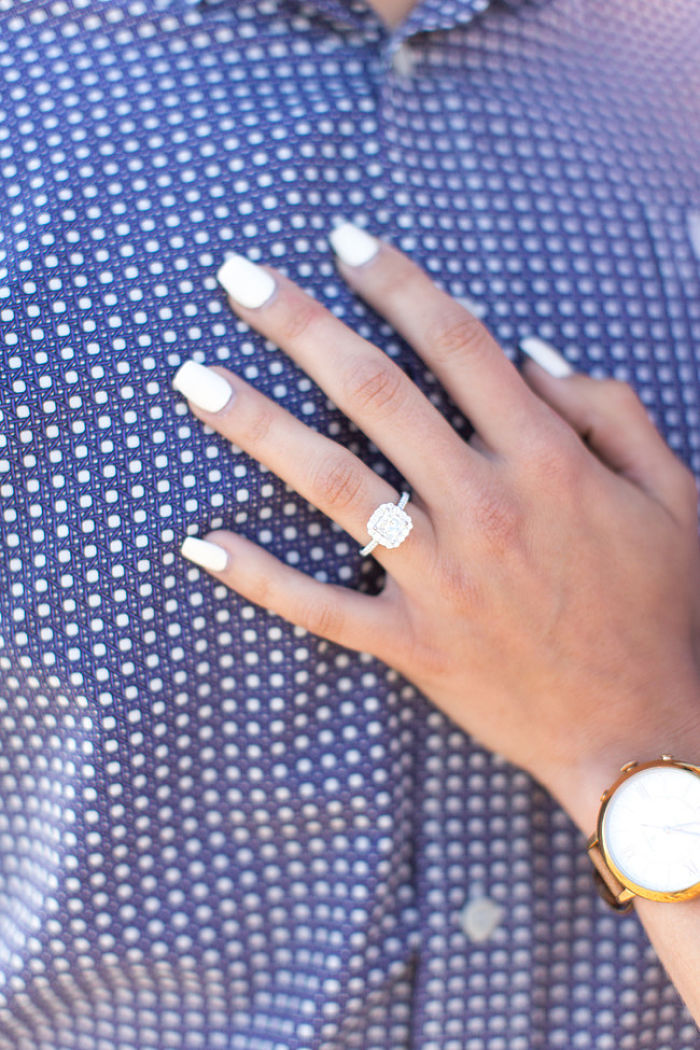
403,60
480,919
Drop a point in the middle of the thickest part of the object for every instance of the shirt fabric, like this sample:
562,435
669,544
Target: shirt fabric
217,831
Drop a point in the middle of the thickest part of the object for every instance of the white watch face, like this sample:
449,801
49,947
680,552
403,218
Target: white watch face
651,829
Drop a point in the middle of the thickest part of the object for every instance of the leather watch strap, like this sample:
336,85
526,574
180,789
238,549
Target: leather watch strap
610,888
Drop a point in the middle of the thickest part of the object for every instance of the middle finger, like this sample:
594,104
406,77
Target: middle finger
361,380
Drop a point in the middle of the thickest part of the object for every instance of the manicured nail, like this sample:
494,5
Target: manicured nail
546,356
205,554
204,387
245,281
353,245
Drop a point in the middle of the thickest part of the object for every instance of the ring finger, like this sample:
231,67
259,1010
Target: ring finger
319,469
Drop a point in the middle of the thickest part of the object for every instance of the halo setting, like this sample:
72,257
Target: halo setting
389,525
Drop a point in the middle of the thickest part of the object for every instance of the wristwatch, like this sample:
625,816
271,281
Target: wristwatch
647,839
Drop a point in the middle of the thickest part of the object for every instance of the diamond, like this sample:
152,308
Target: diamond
389,525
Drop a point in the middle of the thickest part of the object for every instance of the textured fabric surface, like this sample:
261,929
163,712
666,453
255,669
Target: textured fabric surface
217,831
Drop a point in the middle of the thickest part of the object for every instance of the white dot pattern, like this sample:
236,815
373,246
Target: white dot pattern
217,831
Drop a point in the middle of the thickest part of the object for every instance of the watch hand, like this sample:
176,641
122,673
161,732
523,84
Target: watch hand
683,828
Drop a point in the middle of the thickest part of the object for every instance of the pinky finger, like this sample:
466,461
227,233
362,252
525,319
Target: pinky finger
615,425
328,610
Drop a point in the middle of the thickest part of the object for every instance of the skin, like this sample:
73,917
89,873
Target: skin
392,12
561,545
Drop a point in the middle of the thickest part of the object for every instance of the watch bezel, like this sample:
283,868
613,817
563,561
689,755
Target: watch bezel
628,771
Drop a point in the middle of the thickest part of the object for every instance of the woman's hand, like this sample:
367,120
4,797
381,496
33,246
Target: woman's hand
545,598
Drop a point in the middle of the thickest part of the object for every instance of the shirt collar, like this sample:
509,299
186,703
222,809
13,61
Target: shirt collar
424,17
428,15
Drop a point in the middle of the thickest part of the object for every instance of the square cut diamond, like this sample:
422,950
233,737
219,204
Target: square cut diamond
389,525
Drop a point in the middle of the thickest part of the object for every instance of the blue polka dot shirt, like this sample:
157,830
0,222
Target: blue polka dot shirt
218,832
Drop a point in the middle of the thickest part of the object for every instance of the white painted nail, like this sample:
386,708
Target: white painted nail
202,386
205,554
353,245
245,281
546,356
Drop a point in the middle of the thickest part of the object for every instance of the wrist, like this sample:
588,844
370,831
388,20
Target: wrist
580,787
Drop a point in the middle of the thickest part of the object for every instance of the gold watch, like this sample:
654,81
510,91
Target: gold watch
647,838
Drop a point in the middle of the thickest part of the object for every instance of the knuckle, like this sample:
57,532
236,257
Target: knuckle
556,459
298,320
621,396
260,590
461,588
375,386
396,279
456,336
260,424
337,482
322,618
427,655
498,518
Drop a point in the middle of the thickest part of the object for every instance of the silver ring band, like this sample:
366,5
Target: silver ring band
389,525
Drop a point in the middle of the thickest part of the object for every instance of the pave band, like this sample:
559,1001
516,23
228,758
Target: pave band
389,525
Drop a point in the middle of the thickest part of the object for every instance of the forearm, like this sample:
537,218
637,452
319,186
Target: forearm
674,930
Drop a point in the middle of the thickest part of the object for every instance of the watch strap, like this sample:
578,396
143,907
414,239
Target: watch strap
609,887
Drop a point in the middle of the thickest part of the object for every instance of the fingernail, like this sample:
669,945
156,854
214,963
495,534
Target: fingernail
205,554
245,281
353,245
546,356
202,386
